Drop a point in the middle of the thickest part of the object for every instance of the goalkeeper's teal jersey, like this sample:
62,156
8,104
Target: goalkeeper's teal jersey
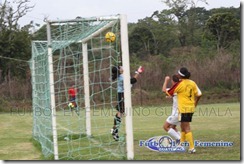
120,83
120,88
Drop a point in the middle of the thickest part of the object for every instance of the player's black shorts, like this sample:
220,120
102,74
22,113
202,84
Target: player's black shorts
120,106
72,99
185,117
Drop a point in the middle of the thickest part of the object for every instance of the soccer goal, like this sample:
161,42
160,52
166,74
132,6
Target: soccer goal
76,55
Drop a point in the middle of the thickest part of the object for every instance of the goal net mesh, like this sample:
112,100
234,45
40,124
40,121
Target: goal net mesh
67,38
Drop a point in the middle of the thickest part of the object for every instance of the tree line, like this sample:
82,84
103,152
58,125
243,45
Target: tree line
205,41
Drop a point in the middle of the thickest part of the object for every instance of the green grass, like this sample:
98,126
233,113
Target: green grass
16,134
212,122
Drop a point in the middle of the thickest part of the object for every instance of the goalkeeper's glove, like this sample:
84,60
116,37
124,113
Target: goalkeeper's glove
139,70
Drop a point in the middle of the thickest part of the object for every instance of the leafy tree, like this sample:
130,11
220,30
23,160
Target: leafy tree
14,42
197,17
10,15
15,53
154,35
140,40
178,8
225,28
186,19
41,34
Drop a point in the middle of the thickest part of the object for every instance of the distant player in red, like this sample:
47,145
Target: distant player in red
72,95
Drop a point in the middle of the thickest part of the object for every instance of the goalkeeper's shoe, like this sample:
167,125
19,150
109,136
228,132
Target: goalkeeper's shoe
116,137
115,134
114,131
192,151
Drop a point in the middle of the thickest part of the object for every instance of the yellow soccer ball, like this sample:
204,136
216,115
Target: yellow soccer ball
110,37
71,105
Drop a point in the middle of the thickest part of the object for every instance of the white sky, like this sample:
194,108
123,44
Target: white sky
134,9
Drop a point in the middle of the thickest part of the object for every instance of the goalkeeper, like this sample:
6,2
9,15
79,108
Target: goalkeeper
117,73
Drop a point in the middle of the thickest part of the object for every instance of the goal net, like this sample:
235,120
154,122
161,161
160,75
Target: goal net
76,56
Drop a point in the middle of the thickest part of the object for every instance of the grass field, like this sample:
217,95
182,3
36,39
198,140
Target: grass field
212,122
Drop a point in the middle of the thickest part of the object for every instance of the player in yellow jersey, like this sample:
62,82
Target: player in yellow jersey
188,95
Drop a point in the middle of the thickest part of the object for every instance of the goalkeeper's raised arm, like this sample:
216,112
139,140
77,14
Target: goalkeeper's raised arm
139,71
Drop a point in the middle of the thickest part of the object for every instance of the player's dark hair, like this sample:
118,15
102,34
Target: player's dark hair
175,78
186,74
115,72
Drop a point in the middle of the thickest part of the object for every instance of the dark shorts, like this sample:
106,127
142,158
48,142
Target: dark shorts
120,106
185,117
72,99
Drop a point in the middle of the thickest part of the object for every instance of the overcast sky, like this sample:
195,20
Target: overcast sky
134,9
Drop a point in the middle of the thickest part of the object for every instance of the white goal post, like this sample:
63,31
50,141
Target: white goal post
54,96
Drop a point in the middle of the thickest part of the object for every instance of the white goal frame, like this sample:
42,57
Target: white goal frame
127,85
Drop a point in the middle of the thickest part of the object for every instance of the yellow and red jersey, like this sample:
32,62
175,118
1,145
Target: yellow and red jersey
186,90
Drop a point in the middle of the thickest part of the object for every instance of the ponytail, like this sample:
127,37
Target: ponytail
115,72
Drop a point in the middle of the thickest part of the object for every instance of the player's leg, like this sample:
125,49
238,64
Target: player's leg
174,134
115,130
166,126
118,116
120,109
73,100
185,126
75,104
117,121
170,126
174,127
182,135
